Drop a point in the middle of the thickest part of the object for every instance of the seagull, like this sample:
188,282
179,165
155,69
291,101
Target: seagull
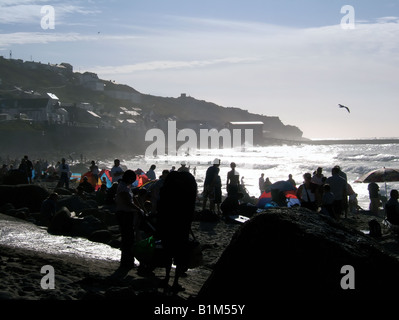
341,106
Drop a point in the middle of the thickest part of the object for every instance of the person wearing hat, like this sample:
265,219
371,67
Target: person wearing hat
211,182
183,167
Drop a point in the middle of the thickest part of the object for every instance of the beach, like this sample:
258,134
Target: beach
82,269
79,278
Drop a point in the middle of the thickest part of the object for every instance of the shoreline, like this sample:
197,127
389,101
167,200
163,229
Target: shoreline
353,141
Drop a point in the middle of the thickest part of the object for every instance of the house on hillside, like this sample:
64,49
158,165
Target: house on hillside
81,117
36,109
91,81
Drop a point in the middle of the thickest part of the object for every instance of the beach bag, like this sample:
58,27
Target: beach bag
144,250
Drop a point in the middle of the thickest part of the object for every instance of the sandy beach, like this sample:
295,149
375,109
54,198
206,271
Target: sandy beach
85,279
77,278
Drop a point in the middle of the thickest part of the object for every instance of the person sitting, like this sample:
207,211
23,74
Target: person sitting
306,193
392,207
86,185
101,195
327,201
231,204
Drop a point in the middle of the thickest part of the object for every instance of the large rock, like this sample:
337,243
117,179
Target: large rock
84,227
30,196
14,177
62,222
75,203
292,253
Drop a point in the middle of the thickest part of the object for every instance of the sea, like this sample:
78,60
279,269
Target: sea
276,162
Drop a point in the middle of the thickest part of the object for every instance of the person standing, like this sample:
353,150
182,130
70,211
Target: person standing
151,172
392,207
183,167
338,186
374,196
306,193
233,180
94,171
291,180
127,215
262,183
116,171
318,176
211,179
29,168
176,209
65,174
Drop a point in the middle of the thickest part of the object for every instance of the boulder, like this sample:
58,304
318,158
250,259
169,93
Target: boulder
102,236
15,177
75,203
61,224
293,253
23,195
102,214
63,191
84,227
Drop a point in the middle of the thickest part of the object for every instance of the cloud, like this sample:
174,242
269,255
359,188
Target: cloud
24,12
167,64
7,39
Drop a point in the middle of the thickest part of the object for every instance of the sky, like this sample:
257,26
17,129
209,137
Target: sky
296,60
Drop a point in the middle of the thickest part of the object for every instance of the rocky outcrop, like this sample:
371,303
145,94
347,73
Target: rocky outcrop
30,196
292,253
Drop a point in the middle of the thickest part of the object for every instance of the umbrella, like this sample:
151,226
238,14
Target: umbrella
380,175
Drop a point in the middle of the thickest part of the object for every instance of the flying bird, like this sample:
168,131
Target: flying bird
341,106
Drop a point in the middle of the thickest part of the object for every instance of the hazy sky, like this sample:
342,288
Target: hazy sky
292,59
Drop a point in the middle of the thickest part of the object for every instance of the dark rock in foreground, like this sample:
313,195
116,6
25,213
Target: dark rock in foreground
296,254
23,195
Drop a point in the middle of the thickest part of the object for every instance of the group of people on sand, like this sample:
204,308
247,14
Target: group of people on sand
166,214
331,195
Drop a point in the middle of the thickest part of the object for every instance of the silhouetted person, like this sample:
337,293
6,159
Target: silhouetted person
86,185
392,207
127,215
175,213
233,180
211,180
116,171
63,170
94,171
151,173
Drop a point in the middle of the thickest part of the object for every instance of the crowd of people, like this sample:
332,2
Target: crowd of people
168,205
